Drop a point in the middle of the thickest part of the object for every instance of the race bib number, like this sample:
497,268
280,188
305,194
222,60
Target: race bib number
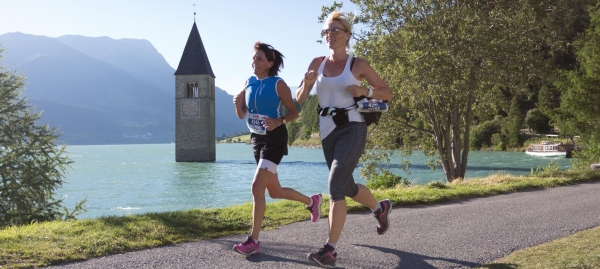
255,124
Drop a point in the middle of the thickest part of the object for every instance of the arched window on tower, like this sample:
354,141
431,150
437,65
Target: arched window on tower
191,90
188,90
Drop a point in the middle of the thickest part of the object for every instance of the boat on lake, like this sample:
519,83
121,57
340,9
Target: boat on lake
547,149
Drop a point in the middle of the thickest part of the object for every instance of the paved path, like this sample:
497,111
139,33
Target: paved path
461,234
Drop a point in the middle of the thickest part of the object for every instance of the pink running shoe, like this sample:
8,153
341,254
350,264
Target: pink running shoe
248,247
324,257
382,216
315,209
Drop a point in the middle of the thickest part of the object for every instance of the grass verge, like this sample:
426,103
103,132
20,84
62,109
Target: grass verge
581,250
41,244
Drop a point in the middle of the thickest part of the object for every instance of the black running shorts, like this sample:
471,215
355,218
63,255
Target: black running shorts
271,146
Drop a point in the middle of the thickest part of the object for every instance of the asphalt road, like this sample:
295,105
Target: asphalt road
461,234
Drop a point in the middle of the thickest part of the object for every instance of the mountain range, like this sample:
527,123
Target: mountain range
98,90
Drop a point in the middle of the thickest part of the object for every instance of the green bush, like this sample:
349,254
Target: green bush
32,166
537,121
386,180
436,185
552,169
481,136
498,142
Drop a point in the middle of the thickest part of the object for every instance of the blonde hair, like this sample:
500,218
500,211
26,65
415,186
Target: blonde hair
341,17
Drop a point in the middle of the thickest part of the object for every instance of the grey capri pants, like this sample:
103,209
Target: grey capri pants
343,148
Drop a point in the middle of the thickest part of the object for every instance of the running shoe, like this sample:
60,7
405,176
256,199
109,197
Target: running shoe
324,257
315,209
248,247
382,216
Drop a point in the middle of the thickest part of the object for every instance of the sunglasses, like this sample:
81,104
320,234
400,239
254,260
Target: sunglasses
333,31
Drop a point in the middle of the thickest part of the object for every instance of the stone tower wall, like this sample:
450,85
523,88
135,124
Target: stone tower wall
195,119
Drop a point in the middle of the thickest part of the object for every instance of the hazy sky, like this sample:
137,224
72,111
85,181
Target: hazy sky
228,28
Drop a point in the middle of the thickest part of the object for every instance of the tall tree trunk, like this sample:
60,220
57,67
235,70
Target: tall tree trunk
469,114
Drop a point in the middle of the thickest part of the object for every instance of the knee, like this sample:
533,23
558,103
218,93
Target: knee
257,190
336,196
340,192
336,192
351,191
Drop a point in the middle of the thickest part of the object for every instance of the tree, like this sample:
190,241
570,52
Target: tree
511,125
293,128
570,23
580,103
32,167
481,136
310,116
537,121
445,59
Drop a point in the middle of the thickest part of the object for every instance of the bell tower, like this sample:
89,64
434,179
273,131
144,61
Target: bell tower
194,104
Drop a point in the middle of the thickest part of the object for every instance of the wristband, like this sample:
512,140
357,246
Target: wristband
370,92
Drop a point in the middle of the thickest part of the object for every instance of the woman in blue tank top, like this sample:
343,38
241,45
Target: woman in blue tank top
343,134
259,104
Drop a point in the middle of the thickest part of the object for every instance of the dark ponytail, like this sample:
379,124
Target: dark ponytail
272,55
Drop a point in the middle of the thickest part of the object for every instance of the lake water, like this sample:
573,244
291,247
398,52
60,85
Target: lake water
130,179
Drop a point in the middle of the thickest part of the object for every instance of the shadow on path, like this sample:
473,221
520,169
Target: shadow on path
417,261
266,257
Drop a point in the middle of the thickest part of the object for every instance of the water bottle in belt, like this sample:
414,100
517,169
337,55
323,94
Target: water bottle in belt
372,105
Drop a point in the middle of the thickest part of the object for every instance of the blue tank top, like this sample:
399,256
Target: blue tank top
262,97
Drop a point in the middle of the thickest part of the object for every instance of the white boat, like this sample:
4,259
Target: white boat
547,149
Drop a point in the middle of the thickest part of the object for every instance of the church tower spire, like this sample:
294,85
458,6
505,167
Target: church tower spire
194,60
194,103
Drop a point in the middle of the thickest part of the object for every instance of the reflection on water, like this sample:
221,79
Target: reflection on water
126,179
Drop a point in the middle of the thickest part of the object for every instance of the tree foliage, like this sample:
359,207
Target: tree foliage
511,125
310,117
293,129
445,59
569,24
481,135
31,165
580,103
537,121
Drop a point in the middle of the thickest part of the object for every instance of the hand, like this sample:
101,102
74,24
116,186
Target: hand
239,99
357,91
270,123
310,77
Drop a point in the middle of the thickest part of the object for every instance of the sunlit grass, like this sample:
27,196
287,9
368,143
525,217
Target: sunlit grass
41,244
238,139
313,142
581,250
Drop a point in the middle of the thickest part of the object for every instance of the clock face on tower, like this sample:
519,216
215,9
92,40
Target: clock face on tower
190,108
